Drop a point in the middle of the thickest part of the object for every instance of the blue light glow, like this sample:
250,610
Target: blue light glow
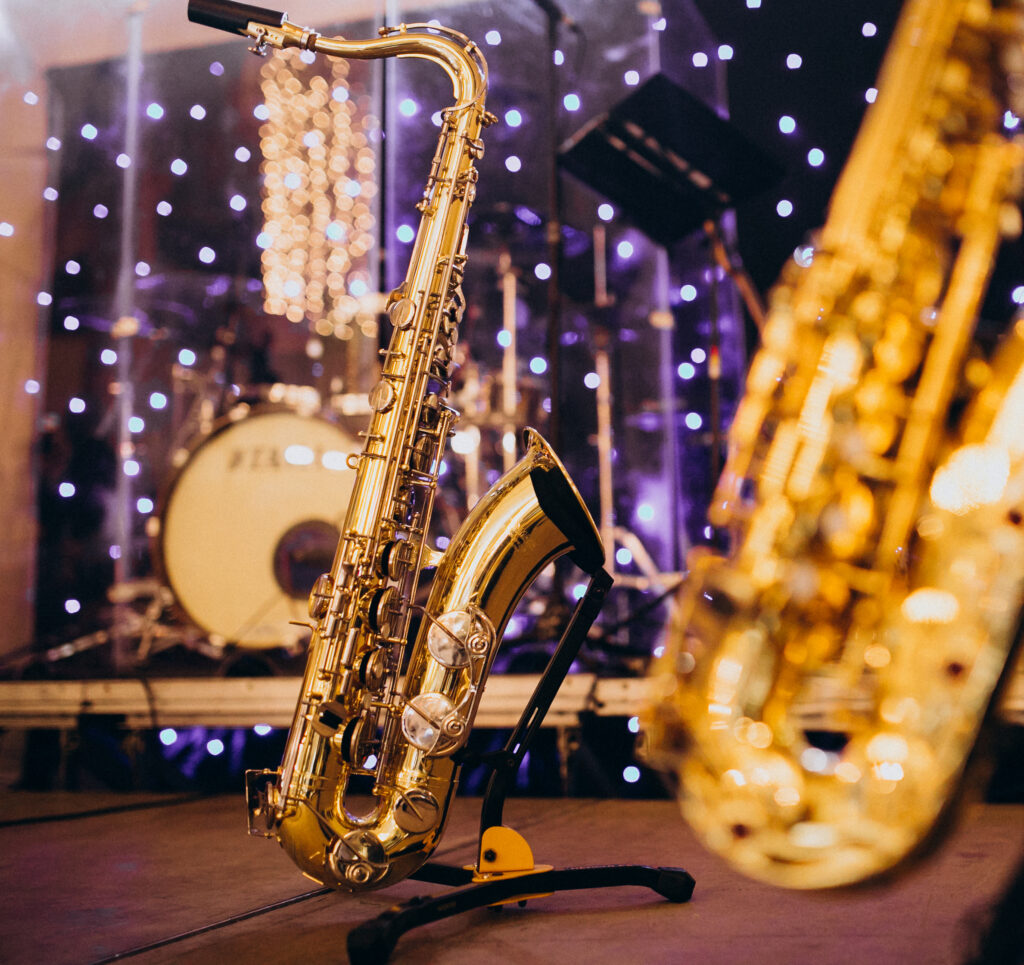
187,357
513,118
631,774
157,400
155,111
168,736
89,131
538,365
571,102
66,489
787,124
408,107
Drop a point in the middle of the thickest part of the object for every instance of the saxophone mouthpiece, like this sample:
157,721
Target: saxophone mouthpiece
232,17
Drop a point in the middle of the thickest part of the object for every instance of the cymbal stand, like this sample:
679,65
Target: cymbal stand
504,870
509,360
651,578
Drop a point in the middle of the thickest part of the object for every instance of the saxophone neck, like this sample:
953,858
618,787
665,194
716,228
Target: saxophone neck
456,54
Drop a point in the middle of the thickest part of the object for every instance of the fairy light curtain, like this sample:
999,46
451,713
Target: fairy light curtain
319,193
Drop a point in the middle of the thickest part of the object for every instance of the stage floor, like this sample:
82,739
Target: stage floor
90,876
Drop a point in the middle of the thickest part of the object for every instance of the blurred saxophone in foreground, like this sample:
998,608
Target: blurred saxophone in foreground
377,709
875,492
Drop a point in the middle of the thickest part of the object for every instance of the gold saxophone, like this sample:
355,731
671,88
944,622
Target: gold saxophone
356,719
878,559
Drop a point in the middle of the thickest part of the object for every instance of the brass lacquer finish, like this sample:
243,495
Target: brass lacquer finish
879,547
355,717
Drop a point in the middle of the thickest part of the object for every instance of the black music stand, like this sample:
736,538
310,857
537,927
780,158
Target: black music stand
672,165
668,160
504,871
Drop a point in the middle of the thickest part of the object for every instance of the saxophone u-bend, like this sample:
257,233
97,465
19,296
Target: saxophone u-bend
358,722
822,689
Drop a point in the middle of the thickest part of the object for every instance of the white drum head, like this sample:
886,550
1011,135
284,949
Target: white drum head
250,522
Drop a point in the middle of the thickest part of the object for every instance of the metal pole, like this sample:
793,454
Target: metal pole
126,325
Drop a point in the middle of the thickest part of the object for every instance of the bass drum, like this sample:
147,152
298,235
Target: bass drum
251,520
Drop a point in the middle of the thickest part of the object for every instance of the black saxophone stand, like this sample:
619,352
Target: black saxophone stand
504,870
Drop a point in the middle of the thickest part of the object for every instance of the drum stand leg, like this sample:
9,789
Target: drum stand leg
504,871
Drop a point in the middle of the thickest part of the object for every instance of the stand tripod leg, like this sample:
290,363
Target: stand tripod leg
372,942
504,869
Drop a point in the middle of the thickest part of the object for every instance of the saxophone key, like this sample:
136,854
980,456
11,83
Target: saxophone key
417,811
431,723
382,610
358,858
373,670
320,596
